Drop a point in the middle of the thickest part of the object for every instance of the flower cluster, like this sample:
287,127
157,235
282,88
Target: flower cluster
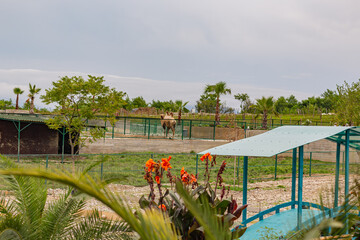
206,156
158,169
187,178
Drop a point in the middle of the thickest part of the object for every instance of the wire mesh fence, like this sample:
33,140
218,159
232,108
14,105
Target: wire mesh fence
188,129
129,167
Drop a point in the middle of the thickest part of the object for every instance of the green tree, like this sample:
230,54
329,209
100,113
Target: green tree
218,89
4,104
242,97
138,102
281,105
17,91
77,101
32,92
265,106
330,99
180,106
348,108
206,103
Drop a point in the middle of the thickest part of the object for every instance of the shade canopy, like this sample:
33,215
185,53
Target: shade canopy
280,140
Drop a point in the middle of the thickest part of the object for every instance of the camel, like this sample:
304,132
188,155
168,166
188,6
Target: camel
168,122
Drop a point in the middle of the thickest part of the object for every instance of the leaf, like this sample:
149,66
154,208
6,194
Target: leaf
222,206
143,202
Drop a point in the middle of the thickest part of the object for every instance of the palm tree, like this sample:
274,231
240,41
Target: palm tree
218,89
29,216
243,97
265,106
32,92
180,106
18,91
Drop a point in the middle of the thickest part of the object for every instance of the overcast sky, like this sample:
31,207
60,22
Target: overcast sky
167,49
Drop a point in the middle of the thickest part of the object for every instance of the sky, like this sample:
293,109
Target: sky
168,50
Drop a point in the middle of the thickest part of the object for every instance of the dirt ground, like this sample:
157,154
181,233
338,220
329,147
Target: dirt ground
261,195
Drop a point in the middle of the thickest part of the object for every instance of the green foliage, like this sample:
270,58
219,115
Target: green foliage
182,206
5,104
32,92
265,106
218,89
348,108
17,91
206,103
29,217
77,101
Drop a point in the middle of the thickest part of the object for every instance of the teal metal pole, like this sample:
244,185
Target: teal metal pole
347,143
245,180
238,169
276,162
337,172
149,129
105,129
197,164
310,164
293,179
19,130
300,186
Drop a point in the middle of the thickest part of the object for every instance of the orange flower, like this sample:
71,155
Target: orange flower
193,179
162,207
206,155
150,165
157,179
165,164
182,171
185,178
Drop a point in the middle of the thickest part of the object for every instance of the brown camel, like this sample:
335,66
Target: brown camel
168,122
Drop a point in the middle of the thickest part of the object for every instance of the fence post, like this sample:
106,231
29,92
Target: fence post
149,129
113,131
214,130
105,129
190,129
276,162
310,164
47,165
152,156
124,125
197,164
238,169
182,129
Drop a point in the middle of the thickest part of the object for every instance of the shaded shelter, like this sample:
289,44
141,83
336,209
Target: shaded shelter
29,134
293,138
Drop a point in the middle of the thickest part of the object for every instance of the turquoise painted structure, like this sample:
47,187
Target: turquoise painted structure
280,140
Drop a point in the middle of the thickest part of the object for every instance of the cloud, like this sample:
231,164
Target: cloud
150,89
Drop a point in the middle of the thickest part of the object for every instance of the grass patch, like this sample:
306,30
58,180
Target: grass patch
131,166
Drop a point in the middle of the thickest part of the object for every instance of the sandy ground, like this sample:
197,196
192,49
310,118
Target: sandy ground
261,195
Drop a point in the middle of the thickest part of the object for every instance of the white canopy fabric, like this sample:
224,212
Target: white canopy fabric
276,141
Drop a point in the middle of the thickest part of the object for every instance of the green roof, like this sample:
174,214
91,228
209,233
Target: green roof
285,138
23,117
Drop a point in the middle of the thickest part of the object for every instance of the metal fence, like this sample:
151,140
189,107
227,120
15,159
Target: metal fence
188,129
130,167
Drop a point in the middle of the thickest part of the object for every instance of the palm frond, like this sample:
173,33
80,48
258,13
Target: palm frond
94,226
91,187
214,227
